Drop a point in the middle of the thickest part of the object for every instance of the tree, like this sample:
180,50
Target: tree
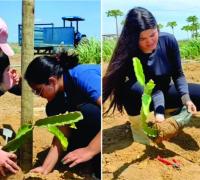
172,24
115,13
160,26
26,152
194,26
186,28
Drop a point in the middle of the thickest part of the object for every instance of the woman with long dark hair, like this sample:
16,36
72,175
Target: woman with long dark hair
160,58
69,86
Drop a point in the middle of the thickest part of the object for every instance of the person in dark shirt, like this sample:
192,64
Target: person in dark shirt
69,86
160,58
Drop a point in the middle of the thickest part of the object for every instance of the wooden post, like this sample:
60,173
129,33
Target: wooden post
27,55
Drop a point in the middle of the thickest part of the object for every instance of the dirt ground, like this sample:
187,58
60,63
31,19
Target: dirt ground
125,159
10,111
122,157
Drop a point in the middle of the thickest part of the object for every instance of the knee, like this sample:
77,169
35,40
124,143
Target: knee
90,111
91,116
132,99
137,89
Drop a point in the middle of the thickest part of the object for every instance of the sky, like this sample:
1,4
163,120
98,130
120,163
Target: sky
51,11
163,10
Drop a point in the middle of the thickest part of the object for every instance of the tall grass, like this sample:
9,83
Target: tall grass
190,49
108,48
89,51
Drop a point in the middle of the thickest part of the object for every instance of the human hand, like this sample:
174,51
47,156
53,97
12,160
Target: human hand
191,107
40,170
78,156
14,76
7,163
10,78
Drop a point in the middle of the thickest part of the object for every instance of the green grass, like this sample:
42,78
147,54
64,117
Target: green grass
89,51
190,49
107,49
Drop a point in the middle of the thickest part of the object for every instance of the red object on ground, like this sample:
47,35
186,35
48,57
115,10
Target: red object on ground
174,164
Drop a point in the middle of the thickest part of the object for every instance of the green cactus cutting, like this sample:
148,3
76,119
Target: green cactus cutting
51,124
146,97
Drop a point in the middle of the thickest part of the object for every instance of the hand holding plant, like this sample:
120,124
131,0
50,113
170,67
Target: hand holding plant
7,162
170,127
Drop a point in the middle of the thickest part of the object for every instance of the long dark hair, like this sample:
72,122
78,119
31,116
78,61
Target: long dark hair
138,19
43,67
4,63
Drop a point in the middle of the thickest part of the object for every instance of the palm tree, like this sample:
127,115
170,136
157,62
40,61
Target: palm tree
27,54
186,28
172,24
194,25
115,13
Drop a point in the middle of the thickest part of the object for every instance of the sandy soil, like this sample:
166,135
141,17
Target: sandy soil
122,157
10,117
125,159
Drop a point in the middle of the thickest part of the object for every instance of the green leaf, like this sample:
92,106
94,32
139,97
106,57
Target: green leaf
63,140
151,132
149,87
21,136
146,100
73,126
143,114
50,123
60,120
139,71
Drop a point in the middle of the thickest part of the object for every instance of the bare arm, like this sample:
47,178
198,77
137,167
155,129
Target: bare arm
53,155
99,101
95,144
84,154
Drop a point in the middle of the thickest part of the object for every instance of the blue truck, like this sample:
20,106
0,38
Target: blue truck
49,39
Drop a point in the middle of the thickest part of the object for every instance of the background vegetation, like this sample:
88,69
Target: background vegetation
189,48
89,51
